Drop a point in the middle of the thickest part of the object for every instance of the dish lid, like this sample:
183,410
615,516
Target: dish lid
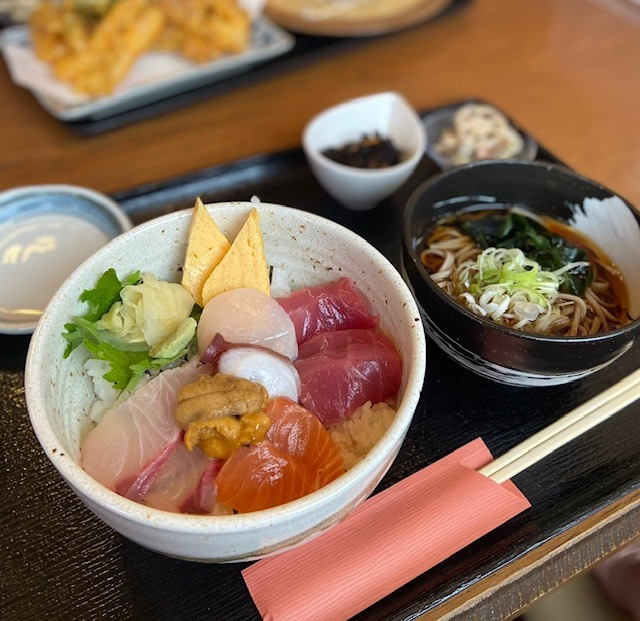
46,232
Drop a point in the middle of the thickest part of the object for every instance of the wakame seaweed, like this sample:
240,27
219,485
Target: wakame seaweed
513,230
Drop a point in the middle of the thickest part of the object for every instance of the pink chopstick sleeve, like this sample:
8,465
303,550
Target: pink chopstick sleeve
389,540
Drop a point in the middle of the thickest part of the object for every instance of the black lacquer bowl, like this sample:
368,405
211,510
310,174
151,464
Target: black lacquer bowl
487,348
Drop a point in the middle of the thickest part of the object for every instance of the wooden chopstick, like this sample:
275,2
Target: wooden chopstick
569,427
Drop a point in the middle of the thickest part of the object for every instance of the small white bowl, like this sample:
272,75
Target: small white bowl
46,231
312,250
391,116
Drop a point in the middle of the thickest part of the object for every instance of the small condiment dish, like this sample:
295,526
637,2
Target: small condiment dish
388,114
439,120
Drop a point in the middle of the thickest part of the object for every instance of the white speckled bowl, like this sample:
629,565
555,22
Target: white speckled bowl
313,251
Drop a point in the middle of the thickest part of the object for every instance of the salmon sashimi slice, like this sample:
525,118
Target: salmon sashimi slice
340,371
334,306
135,439
299,433
297,457
262,476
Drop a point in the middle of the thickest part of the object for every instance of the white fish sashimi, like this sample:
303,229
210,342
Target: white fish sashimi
248,317
277,375
134,439
177,480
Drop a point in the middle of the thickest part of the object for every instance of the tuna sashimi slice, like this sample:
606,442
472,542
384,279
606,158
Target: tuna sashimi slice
134,440
341,371
335,306
346,338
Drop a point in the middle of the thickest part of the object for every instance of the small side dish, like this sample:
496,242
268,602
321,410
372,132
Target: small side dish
241,404
372,151
357,187
478,132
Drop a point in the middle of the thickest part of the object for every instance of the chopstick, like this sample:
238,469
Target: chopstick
569,427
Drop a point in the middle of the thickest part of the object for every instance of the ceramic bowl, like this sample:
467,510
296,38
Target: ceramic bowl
46,231
437,121
487,348
388,114
312,251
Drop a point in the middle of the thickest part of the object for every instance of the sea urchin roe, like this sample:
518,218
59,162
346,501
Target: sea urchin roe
219,438
371,152
209,398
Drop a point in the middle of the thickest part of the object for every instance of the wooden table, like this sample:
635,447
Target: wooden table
566,70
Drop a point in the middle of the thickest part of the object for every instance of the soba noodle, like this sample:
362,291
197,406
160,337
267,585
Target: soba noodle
449,251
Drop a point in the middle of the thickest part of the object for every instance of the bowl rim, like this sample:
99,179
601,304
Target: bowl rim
102,200
317,156
407,238
87,486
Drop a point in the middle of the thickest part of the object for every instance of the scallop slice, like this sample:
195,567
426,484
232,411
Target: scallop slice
248,317
278,376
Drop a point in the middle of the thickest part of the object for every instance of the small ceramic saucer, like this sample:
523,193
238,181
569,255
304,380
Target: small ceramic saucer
46,231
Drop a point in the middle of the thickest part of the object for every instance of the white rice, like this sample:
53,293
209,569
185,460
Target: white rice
108,396
357,435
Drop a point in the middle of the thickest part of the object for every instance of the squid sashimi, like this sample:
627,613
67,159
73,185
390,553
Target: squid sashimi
278,376
335,306
297,457
248,317
178,486
341,371
135,439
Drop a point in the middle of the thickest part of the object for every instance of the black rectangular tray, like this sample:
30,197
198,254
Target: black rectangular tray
60,561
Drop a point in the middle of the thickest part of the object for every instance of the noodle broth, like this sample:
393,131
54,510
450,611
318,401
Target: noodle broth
503,283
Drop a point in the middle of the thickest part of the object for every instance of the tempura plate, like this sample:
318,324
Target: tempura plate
155,76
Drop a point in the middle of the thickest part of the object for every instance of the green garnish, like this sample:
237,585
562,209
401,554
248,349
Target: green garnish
515,275
551,252
127,361
100,299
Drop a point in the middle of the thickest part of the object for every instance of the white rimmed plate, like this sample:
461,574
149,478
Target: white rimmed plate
155,76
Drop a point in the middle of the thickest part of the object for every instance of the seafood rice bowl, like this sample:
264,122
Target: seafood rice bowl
221,384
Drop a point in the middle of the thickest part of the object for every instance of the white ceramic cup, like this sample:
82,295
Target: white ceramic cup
392,117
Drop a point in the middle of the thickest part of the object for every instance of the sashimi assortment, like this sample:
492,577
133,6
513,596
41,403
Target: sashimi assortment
221,399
